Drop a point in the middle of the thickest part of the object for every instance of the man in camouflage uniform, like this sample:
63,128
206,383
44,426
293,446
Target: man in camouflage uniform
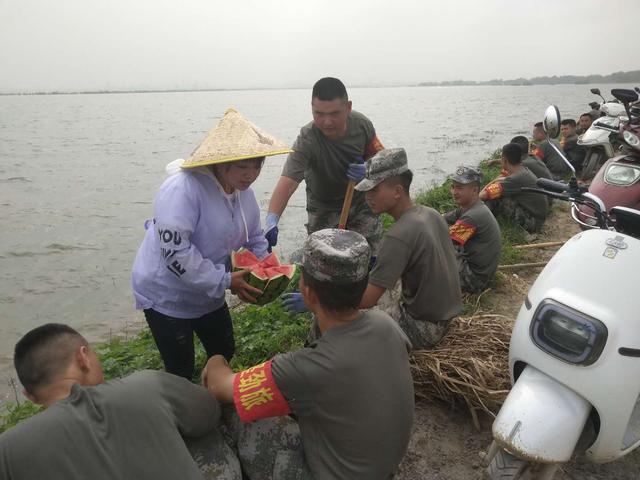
328,153
547,154
416,250
353,405
504,195
474,232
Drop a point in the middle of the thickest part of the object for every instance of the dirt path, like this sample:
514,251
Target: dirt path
446,446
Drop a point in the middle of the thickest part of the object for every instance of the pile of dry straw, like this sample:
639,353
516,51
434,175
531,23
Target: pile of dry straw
469,366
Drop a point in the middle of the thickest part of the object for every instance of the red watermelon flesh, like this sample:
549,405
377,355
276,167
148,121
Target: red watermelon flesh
266,274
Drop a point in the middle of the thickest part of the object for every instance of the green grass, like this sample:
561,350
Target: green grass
261,332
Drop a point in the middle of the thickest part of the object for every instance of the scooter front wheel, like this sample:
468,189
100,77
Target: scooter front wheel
505,466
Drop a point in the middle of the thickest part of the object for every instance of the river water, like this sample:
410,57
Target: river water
78,174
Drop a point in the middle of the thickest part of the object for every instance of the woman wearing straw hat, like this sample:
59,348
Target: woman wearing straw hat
202,212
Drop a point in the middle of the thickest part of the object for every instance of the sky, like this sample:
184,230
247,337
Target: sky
78,45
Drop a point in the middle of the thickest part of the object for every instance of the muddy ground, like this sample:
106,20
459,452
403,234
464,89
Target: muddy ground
446,446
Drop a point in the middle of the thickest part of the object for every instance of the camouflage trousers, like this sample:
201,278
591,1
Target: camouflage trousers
360,220
421,334
214,457
469,281
509,208
268,449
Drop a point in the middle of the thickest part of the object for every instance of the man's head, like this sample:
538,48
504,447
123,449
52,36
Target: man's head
511,155
568,127
585,121
523,142
465,186
330,106
387,180
335,268
538,132
51,353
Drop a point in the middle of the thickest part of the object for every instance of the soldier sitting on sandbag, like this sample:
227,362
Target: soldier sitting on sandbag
127,428
474,232
350,391
504,196
416,249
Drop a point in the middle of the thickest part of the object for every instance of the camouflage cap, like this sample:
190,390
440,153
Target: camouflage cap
466,175
333,255
385,164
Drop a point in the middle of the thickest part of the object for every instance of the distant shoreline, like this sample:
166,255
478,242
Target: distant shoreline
423,84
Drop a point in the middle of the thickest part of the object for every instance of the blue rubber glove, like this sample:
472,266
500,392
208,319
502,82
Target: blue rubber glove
294,303
271,230
355,171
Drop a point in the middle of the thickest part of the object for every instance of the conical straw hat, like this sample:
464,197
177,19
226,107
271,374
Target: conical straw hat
234,138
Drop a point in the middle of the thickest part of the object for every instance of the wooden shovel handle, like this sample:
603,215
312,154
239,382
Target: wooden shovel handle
346,206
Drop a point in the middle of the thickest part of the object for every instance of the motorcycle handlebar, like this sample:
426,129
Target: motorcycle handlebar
560,196
551,185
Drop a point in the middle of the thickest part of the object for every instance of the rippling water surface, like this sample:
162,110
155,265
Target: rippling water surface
78,174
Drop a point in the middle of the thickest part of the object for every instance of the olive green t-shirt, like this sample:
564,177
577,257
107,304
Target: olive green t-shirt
534,203
352,393
122,429
323,163
478,233
551,158
537,167
417,249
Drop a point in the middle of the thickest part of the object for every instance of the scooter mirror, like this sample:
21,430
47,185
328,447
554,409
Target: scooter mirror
595,91
551,121
625,95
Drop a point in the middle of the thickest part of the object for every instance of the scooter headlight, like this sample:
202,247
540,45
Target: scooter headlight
622,174
631,139
567,334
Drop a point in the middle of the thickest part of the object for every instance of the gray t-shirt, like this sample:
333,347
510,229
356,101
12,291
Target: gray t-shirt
478,233
352,393
417,248
537,167
123,429
551,159
534,203
322,163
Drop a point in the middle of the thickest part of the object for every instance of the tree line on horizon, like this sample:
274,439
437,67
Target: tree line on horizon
632,76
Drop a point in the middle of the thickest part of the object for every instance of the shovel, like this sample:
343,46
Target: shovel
346,205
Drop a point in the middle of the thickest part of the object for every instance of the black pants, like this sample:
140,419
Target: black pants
174,338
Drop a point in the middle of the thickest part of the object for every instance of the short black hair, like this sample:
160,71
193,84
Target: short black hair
513,153
538,125
403,179
337,296
43,353
329,88
568,121
585,115
523,142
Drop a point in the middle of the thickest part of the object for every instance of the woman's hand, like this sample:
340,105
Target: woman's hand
241,288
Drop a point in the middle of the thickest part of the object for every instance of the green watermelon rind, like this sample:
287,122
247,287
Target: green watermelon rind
271,288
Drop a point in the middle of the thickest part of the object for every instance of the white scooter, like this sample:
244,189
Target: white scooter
597,140
574,356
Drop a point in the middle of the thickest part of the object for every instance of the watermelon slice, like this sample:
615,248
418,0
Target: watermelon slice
266,274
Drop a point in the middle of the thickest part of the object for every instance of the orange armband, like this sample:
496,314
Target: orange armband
461,232
374,146
493,190
256,395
